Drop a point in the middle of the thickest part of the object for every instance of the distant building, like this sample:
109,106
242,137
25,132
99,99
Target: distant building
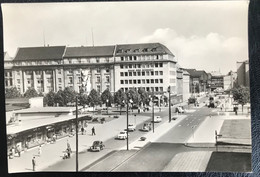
243,73
198,80
230,80
217,81
8,64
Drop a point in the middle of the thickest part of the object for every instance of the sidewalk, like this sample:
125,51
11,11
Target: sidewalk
53,153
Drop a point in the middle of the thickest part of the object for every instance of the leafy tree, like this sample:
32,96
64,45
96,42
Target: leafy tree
93,98
134,96
58,98
106,95
241,94
12,92
144,96
69,95
83,98
119,98
30,93
49,99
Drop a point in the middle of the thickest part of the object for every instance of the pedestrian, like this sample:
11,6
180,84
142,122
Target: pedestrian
93,131
82,130
68,152
33,163
18,150
39,150
68,144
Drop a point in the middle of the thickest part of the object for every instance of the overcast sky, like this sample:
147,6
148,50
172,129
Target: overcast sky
202,35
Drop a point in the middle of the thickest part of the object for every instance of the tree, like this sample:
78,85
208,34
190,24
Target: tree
69,95
134,96
93,98
58,98
83,98
241,94
119,98
12,92
49,99
106,95
144,96
30,93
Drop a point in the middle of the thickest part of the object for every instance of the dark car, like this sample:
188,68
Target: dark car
192,100
97,146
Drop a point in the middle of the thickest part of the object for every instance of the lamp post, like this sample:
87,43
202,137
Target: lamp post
216,138
127,146
77,143
169,90
107,105
153,110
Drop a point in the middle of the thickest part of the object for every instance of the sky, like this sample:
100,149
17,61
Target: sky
204,35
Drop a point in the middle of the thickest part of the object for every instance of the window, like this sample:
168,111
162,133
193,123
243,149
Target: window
156,80
152,81
70,61
59,79
139,65
134,65
130,81
10,74
98,78
156,65
98,88
161,73
134,73
121,74
126,66
126,81
70,71
143,81
161,80
152,65
70,80
147,73
107,79
130,58
6,83
156,73
139,73
130,66
6,74
160,64
134,57
139,81
122,58
156,89
152,73
147,89
126,73
130,73
143,73
97,60
161,89
134,81
122,81
107,70
147,81
121,66
145,50
157,57
98,70
29,82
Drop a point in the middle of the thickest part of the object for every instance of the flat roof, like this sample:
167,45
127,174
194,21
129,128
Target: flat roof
48,110
39,122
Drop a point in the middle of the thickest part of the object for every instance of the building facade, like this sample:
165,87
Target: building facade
8,63
151,66
230,80
243,73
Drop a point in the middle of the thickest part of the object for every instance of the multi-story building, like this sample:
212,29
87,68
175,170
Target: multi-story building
230,80
151,66
243,73
8,63
198,80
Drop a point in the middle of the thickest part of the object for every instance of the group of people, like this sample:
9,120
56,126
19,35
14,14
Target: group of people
15,150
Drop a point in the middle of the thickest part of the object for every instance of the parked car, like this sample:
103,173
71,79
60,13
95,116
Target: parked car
147,127
131,127
192,100
122,135
179,110
157,119
116,116
97,146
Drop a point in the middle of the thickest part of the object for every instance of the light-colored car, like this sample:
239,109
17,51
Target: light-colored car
157,119
146,127
131,127
122,135
97,146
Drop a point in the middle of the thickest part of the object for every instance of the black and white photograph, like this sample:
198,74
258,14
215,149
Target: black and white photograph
152,86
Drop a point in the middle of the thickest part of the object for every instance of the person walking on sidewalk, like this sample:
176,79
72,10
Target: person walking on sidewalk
18,150
39,150
93,131
33,163
68,144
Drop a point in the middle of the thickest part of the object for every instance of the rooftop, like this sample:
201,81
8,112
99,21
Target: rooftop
40,53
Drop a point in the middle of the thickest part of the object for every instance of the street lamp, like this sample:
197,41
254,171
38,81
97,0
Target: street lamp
107,105
169,90
77,143
127,102
153,110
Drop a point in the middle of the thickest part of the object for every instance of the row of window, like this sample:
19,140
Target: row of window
143,73
142,81
156,89
152,65
141,57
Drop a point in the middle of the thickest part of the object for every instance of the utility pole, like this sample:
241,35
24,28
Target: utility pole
127,148
153,110
169,90
77,143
